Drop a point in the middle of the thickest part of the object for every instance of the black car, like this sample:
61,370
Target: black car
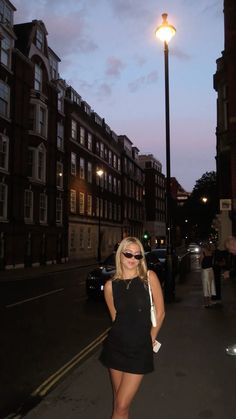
159,254
97,278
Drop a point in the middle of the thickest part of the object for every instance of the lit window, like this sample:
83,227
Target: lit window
38,77
59,210
73,164
4,152
73,201
4,99
43,208
81,203
3,201
59,174
28,205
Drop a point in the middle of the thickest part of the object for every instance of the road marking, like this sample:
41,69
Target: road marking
44,388
34,298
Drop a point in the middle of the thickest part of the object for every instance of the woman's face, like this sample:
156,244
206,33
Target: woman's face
130,262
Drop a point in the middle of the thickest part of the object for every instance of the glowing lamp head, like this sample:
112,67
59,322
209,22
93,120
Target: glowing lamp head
165,31
100,172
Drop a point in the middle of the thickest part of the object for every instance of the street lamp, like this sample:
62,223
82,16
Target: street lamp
99,173
165,32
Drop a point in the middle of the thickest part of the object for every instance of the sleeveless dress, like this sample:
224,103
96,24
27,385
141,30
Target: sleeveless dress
128,346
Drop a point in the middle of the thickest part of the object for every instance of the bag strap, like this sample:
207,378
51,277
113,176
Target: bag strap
149,289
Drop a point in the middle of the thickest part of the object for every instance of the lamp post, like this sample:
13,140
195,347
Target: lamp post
165,32
99,173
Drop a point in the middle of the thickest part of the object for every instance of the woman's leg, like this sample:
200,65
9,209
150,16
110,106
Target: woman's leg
125,386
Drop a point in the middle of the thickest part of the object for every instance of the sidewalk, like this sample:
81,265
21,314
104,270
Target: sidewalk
193,378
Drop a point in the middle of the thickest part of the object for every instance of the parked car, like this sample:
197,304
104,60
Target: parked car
194,248
97,278
160,255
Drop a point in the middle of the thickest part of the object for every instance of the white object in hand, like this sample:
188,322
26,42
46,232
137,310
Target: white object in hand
156,346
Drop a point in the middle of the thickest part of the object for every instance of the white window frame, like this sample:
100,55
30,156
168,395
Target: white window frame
60,136
73,164
59,210
82,168
89,204
73,201
4,152
4,99
82,136
74,130
3,201
6,48
38,77
28,205
38,173
43,208
38,125
81,202
89,172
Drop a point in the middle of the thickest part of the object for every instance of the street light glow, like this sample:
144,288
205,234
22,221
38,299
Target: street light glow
100,172
165,31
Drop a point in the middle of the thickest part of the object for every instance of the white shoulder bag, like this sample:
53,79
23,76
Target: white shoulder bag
153,308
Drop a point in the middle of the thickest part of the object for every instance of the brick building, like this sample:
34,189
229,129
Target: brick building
225,86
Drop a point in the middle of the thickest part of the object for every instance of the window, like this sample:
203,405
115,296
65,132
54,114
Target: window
97,147
90,173
28,205
73,164
89,238
114,185
4,99
81,238
60,99
74,129
6,51
60,136
82,136
90,142
59,210
110,210
53,68
81,168
43,200
6,14
114,161
110,157
3,201
38,119
110,183
59,174
72,240
36,163
73,201
81,203
89,204
39,39
38,77
4,152
102,150
118,164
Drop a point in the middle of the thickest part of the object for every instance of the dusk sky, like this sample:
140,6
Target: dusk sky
111,57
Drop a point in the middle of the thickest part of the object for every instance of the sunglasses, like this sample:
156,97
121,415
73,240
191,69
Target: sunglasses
129,255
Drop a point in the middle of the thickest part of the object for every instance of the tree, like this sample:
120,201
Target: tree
202,206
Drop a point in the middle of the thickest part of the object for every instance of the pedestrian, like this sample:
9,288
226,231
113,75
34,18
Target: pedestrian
230,244
128,349
218,263
207,274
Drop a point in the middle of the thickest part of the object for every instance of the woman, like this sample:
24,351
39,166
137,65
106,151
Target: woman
128,349
208,281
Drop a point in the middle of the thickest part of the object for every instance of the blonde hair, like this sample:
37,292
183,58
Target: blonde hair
142,266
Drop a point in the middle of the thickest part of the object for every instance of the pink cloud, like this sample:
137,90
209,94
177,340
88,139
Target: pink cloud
114,67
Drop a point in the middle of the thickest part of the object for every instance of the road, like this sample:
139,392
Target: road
45,322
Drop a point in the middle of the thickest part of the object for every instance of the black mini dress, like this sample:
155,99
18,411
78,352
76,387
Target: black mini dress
128,346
